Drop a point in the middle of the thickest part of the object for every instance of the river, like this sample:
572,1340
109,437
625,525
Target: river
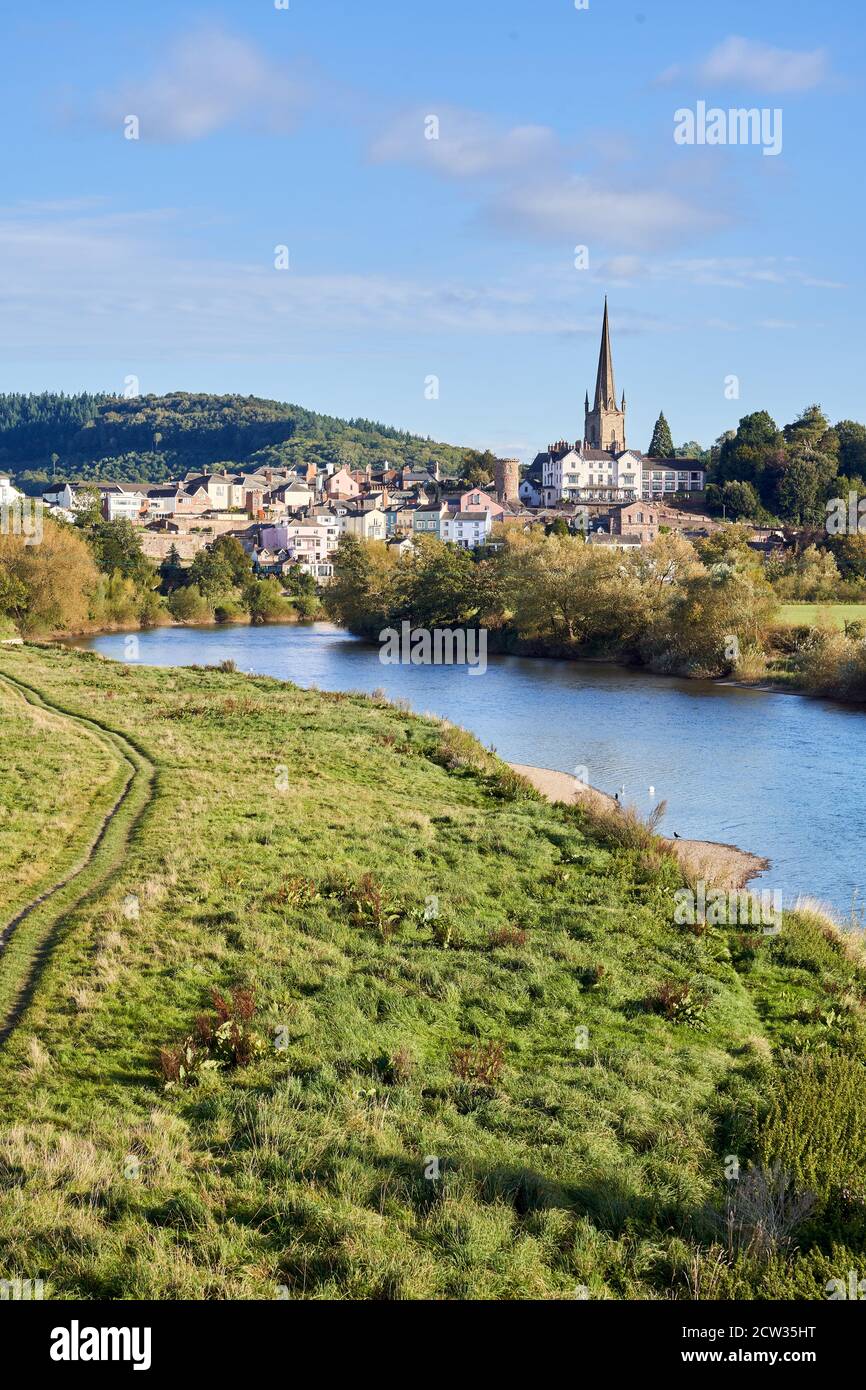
780,775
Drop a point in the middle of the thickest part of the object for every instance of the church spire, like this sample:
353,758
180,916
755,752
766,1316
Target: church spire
604,425
605,391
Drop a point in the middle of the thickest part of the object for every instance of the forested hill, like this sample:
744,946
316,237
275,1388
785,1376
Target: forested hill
153,438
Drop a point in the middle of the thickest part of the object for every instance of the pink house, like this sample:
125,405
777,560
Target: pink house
342,484
477,501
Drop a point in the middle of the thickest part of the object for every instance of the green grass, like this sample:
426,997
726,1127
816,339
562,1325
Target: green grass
54,774
821,614
592,1159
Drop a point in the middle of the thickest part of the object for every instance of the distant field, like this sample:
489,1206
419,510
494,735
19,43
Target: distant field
822,614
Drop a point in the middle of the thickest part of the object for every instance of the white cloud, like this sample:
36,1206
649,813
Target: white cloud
575,208
461,144
523,181
209,80
749,63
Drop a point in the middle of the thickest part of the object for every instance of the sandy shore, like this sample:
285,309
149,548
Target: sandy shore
725,866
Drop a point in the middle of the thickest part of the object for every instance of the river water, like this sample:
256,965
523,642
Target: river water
780,775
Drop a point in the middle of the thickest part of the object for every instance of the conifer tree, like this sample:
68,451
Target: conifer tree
661,444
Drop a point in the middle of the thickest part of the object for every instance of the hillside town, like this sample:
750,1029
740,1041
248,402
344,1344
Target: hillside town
293,518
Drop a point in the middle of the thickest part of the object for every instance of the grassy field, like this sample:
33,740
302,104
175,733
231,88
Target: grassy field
469,1053
822,614
55,774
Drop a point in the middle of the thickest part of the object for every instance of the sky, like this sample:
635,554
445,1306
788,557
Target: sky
413,212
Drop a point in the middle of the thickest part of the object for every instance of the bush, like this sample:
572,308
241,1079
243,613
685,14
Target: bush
264,602
223,1042
188,605
680,1003
816,1124
480,1064
228,610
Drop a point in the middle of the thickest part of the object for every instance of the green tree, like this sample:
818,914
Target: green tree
754,454
363,593
802,484
117,548
264,602
171,572
229,551
661,444
852,448
736,500
211,573
478,468
188,605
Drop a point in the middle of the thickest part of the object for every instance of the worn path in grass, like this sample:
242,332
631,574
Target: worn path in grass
725,866
95,852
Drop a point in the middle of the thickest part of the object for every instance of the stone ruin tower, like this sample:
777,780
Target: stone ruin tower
507,477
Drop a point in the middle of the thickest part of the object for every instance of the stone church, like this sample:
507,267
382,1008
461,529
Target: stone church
601,468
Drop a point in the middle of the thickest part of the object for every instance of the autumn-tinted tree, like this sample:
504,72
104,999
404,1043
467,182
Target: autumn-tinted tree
48,587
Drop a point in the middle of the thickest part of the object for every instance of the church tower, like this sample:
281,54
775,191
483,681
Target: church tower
604,425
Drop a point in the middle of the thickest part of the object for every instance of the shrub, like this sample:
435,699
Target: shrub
816,1123
229,611
680,1003
763,1210
225,1041
507,936
188,605
480,1064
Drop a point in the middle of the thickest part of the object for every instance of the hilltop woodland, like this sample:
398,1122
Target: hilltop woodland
89,438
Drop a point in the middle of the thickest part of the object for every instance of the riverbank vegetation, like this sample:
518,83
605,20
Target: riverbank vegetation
488,1066
93,576
707,610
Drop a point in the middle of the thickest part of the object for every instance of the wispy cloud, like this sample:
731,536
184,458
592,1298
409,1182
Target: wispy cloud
115,285
462,144
588,212
740,62
208,81
719,272
523,180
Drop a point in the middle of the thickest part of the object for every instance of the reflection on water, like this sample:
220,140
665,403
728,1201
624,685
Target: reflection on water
779,775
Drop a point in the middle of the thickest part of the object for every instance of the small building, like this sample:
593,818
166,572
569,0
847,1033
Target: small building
667,477
635,519
427,521
468,530
123,504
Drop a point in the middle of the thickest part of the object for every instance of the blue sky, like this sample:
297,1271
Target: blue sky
452,257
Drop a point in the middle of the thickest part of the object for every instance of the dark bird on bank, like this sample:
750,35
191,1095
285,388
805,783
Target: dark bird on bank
676,836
